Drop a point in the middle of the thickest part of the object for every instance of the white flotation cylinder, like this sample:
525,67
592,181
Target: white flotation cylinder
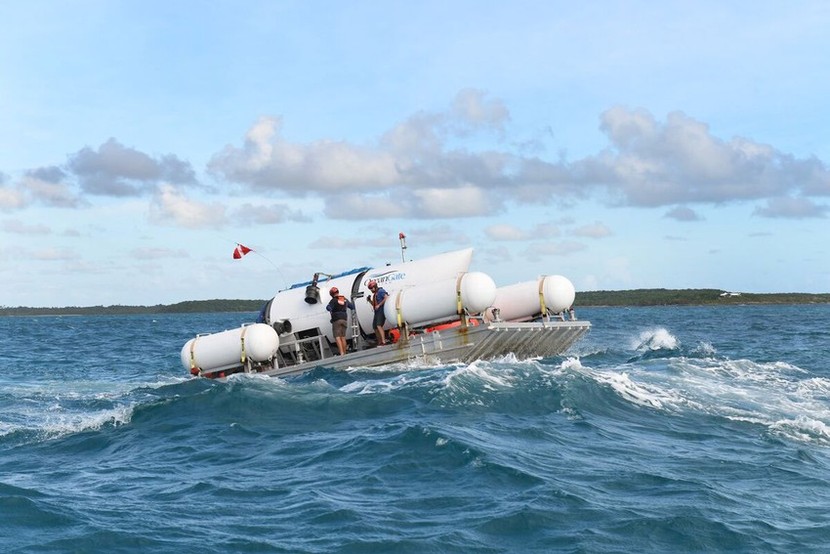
559,293
521,301
256,342
442,300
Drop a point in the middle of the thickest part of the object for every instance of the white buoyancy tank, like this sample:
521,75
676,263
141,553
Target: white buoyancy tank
524,300
439,301
426,270
257,342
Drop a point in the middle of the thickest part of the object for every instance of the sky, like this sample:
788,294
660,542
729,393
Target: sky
623,144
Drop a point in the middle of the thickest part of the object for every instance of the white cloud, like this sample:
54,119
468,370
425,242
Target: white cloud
116,170
438,234
11,199
414,154
471,106
562,248
647,163
437,203
268,214
365,206
268,162
683,213
51,190
53,254
155,253
595,231
21,228
417,170
787,207
506,232
498,255
449,203
171,207
654,164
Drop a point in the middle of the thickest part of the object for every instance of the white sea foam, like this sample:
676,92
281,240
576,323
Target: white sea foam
493,375
389,384
629,390
66,424
58,422
656,338
771,394
417,363
368,387
484,372
705,348
511,359
52,409
802,428
571,363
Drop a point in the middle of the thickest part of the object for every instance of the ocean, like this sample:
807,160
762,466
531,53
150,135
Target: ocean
666,429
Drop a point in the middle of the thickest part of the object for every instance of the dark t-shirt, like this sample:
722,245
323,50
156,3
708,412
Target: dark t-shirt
338,306
379,296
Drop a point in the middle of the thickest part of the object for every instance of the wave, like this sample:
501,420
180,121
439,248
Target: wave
631,347
47,410
657,338
664,376
782,398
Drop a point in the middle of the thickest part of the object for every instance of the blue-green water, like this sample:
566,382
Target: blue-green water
665,430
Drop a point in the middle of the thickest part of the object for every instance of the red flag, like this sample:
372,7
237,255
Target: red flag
240,251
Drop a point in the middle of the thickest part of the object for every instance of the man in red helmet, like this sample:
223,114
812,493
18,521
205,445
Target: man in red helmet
339,317
378,299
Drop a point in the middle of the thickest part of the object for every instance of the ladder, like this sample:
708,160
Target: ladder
355,330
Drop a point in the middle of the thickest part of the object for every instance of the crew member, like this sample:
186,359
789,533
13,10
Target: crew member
378,299
339,316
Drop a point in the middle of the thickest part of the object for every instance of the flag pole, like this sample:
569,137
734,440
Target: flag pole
241,250
284,282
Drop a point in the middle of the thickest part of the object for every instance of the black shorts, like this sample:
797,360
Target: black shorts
380,319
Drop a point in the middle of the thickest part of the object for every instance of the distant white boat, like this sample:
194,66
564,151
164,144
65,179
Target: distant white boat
437,311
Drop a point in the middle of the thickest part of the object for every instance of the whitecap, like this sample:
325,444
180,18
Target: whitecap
705,348
802,428
396,382
773,394
485,372
657,338
58,423
627,389
573,363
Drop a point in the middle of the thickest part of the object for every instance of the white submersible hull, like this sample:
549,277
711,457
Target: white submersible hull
436,311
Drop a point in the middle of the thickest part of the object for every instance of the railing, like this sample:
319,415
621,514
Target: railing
304,350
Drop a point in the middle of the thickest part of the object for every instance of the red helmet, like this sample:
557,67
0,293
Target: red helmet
334,291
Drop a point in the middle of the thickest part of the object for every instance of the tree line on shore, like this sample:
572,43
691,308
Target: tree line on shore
693,297
190,306
635,297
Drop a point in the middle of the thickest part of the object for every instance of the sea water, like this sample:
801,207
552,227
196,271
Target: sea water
666,429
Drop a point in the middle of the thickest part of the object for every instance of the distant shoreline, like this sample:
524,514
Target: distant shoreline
635,297
693,297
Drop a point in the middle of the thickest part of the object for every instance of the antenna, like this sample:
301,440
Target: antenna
403,246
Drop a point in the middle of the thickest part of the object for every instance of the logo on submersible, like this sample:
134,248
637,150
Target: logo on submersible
385,278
